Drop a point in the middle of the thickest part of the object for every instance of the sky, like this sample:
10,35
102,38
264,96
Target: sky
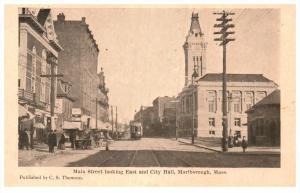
142,55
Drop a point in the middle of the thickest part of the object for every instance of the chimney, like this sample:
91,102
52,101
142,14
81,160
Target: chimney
61,17
83,19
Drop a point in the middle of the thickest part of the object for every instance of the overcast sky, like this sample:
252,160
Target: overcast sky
142,55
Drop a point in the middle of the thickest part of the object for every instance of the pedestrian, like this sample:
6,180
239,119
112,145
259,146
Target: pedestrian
61,143
26,138
244,144
51,141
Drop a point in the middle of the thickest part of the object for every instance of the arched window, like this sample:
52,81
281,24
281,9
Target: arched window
260,95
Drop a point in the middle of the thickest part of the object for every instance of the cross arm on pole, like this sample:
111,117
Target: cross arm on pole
51,75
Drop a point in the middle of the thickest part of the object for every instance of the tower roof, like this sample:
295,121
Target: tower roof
195,25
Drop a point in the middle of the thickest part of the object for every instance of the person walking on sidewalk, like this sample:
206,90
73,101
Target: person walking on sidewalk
244,144
25,138
61,143
51,141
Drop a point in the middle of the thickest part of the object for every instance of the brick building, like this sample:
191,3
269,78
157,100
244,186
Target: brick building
102,98
64,101
38,52
79,62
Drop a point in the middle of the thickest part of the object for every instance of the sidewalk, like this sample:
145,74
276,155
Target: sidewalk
40,152
216,146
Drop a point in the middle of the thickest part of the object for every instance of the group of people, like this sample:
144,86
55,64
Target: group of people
236,141
52,141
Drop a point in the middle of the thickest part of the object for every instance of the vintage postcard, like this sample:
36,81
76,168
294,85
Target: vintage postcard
150,95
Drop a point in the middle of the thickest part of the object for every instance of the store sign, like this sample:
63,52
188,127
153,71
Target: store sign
76,111
76,114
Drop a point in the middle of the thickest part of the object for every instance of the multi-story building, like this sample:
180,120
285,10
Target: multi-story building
38,54
102,98
79,62
199,108
146,117
195,66
243,91
159,105
169,119
64,102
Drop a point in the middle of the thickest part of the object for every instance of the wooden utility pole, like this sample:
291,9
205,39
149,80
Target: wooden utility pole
224,40
117,122
96,113
112,118
53,62
193,115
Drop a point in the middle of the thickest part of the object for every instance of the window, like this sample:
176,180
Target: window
43,81
211,132
33,69
236,107
237,122
19,83
237,101
238,134
260,95
248,106
28,72
212,101
211,122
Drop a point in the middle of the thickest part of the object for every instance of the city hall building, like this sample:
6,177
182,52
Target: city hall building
199,104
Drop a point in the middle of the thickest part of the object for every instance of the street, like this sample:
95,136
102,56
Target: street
155,152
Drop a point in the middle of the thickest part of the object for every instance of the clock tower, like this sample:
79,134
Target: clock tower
194,51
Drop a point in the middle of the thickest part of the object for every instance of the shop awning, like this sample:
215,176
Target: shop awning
23,112
72,125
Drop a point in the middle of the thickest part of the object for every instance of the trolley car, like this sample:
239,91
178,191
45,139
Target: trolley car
136,130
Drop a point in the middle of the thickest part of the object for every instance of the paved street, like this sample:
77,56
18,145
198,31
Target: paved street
155,152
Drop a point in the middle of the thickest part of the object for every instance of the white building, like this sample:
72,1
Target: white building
200,101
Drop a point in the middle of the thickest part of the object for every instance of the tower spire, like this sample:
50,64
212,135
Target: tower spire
195,25
194,51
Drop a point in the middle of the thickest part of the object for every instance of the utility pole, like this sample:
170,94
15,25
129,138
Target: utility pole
193,115
53,62
96,113
224,40
112,118
117,123
141,115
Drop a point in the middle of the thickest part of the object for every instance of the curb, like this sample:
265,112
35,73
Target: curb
201,146
219,151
